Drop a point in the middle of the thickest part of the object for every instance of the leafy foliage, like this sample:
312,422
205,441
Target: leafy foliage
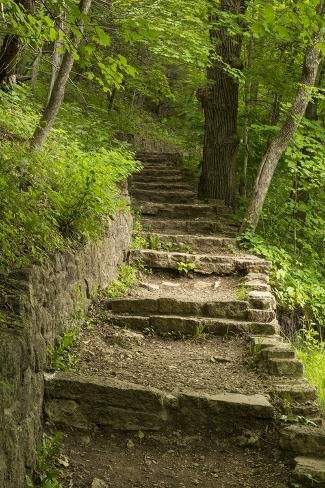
59,196
48,463
127,278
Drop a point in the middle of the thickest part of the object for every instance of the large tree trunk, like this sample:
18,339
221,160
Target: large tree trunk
10,49
220,104
52,107
280,143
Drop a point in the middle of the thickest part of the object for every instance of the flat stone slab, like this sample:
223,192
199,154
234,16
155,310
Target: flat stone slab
231,309
310,470
200,244
83,402
304,440
169,324
204,263
192,226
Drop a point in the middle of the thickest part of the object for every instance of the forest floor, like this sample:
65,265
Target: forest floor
173,460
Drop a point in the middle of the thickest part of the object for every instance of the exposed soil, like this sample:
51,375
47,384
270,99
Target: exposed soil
205,364
174,460
172,285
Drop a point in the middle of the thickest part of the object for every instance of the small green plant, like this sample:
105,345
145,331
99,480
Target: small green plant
60,357
200,333
127,278
185,268
138,240
153,242
49,463
255,349
178,247
241,292
297,419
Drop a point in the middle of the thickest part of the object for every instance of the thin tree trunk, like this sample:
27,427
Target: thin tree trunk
35,67
56,58
281,141
11,47
52,107
220,105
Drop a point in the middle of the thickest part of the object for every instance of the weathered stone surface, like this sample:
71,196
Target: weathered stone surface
304,440
183,210
205,227
178,196
261,315
205,263
310,471
164,306
283,367
282,351
83,402
200,244
261,342
263,300
295,391
166,324
44,299
100,401
224,410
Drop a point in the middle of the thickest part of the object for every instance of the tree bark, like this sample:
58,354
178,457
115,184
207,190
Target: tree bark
35,67
247,120
56,58
52,107
280,143
220,105
11,47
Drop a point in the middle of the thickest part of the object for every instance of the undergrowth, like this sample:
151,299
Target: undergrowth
49,463
127,278
311,350
61,195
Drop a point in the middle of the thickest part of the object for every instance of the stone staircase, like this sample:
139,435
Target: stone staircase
203,295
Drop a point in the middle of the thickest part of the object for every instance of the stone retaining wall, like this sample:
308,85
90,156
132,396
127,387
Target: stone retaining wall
42,300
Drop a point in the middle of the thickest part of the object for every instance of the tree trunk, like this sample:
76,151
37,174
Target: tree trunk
52,107
247,120
10,48
56,58
280,143
220,105
35,67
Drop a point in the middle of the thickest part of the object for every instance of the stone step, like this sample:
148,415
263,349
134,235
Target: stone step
86,402
157,178
152,172
282,351
158,158
187,326
303,440
204,263
308,410
183,210
164,196
200,244
170,186
310,471
295,391
232,309
282,367
204,227
261,342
